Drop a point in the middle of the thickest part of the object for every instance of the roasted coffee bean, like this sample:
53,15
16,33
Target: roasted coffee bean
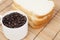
14,20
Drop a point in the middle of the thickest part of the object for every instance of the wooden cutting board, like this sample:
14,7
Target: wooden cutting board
50,32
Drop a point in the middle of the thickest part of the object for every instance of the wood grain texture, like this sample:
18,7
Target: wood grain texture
50,32
51,29
58,36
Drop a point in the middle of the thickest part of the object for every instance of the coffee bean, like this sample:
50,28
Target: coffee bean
14,20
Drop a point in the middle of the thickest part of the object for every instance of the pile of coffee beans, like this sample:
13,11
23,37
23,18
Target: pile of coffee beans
14,20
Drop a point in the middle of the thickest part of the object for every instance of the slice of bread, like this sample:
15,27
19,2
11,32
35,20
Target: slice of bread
39,22
39,15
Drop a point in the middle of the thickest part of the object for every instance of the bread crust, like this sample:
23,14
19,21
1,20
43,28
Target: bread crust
36,21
